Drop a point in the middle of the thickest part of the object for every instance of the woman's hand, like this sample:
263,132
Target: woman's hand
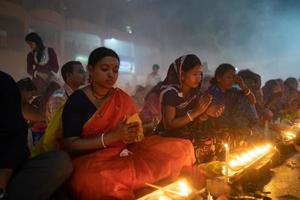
215,110
203,103
128,133
240,82
245,89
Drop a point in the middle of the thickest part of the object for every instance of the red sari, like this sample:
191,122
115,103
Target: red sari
103,174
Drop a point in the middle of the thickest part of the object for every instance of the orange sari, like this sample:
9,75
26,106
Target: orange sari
104,174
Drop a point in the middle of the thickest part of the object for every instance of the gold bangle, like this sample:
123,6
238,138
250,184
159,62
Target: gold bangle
247,93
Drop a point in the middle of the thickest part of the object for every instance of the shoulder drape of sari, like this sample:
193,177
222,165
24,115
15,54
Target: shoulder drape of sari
51,139
118,108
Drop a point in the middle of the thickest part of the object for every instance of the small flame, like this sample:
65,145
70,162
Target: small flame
290,135
268,147
240,160
162,197
224,170
184,188
233,163
246,158
226,146
251,154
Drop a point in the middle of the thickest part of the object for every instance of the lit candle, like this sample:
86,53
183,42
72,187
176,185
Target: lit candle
243,160
266,130
226,146
209,196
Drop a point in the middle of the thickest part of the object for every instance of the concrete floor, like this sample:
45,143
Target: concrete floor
285,181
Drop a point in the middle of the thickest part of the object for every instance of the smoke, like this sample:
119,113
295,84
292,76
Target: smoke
263,35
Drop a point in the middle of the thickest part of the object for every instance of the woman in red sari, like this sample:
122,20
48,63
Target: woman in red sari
108,161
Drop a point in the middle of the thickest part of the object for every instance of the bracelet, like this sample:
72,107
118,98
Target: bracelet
247,93
102,140
189,115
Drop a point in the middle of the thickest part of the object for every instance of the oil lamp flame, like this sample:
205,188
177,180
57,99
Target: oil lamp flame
249,156
162,197
288,136
184,188
177,190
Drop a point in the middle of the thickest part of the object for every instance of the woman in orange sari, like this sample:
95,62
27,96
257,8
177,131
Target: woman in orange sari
110,162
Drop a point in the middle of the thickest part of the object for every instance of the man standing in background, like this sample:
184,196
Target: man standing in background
153,78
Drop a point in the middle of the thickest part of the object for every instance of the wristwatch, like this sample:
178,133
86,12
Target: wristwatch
2,193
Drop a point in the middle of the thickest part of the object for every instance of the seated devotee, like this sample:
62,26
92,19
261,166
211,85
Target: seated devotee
291,93
292,112
34,110
103,134
291,98
151,113
273,97
239,116
253,82
21,177
139,96
73,75
39,128
182,105
291,88
230,90
42,100
206,83
153,78
28,91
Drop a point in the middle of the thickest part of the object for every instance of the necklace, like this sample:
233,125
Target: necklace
99,98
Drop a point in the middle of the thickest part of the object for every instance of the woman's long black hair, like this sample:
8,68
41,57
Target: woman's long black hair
34,37
99,53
